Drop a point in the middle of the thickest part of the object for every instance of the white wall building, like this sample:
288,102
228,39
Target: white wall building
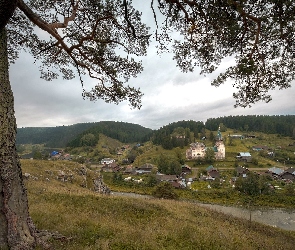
198,149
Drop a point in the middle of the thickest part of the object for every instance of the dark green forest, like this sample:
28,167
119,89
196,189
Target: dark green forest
279,124
176,134
51,136
70,136
121,131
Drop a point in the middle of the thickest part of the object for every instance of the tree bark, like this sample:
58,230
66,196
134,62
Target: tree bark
16,227
7,7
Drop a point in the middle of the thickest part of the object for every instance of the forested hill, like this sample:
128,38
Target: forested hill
69,135
127,132
278,124
51,136
121,131
178,134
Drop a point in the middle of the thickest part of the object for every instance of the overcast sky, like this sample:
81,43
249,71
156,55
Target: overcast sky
169,96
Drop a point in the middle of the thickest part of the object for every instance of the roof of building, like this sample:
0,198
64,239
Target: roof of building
241,170
214,173
290,170
164,177
146,166
244,154
275,170
210,168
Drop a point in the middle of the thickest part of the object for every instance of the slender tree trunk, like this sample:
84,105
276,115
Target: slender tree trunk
16,227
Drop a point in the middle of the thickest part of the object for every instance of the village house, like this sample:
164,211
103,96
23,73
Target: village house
236,136
174,180
67,157
122,149
186,169
107,161
196,150
144,169
212,173
242,171
129,170
166,177
288,174
244,156
112,167
259,148
275,172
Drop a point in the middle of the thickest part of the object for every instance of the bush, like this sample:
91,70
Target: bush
255,161
151,180
289,190
165,190
215,183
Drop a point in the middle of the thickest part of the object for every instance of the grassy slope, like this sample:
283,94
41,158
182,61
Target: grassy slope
92,221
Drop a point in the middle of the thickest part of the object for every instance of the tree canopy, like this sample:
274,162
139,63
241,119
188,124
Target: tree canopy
258,34
97,38
103,39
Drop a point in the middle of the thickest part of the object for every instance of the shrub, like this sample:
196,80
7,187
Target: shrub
165,190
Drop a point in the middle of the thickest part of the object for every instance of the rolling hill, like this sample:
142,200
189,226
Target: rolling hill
63,136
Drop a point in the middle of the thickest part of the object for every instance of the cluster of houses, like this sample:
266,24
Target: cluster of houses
196,150
287,175
182,181
178,181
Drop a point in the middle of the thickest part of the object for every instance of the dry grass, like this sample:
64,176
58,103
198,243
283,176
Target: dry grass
92,221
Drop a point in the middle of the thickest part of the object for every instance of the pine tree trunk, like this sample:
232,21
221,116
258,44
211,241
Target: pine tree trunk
7,7
16,227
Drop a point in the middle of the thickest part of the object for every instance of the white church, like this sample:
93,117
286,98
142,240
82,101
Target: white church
198,149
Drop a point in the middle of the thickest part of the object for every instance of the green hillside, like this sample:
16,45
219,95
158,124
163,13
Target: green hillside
76,217
51,136
116,222
62,136
121,131
96,141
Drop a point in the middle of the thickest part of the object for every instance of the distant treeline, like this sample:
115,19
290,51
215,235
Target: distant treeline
278,124
175,134
121,131
63,136
51,136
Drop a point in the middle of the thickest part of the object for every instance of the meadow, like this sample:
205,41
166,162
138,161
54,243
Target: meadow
87,220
